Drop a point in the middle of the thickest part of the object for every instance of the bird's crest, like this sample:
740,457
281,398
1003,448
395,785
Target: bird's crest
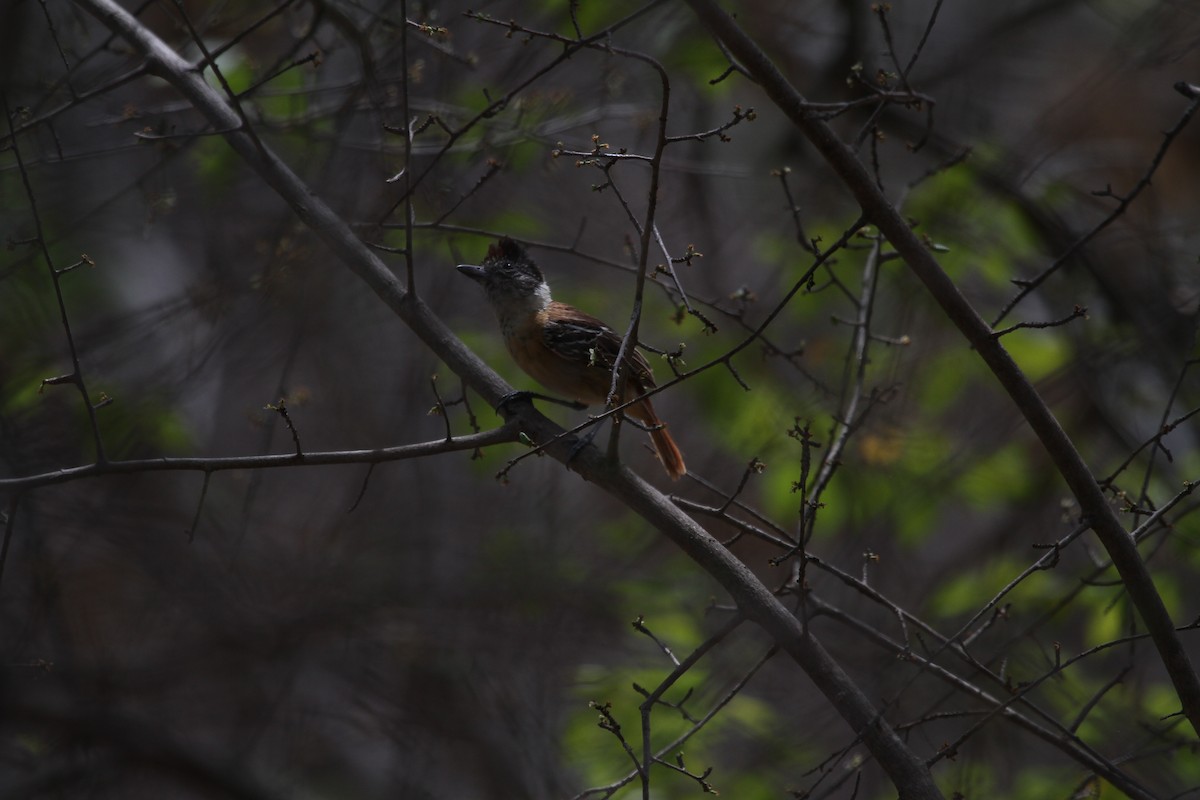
506,248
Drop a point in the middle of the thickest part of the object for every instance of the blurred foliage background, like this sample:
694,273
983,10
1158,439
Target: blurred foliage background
422,630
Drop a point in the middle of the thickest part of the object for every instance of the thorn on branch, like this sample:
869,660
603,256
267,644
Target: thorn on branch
681,767
675,360
736,376
84,260
439,407
948,752
281,409
1050,559
803,433
932,246
58,380
433,31
191,531
708,325
13,244
1107,191
1079,311
639,625
749,115
687,256
755,467
607,722
500,105
898,341
432,119
870,558
998,614
728,71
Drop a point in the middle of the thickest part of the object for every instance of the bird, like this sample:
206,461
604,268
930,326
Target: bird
566,350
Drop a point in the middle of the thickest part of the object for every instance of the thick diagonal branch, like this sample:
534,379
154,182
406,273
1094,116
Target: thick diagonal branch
1062,451
755,600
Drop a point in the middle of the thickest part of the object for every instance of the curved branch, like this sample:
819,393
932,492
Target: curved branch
502,435
755,600
1062,451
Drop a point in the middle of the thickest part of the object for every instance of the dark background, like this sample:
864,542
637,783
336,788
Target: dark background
421,629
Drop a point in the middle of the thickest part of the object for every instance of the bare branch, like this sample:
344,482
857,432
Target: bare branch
502,435
755,600
1058,445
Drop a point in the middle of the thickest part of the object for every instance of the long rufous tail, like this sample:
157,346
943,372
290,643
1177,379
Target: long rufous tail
664,445
668,452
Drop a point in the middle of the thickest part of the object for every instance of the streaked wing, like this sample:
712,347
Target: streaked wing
584,339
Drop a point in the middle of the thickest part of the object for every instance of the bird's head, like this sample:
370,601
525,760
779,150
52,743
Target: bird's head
509,277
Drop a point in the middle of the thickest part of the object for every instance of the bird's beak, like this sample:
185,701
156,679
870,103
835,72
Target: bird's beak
472,272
